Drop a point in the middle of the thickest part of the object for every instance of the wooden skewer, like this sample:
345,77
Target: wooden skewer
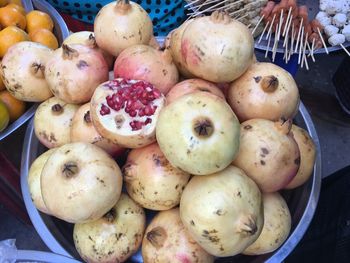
347,52
262,34
312,55
269,32
292,41
299,32
257,24
323,42
304,50
277,37
240,17
196,13
287,22
268,45
301,45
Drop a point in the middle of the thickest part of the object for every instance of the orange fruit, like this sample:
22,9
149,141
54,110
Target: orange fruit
4,116
10,16
45,37
17,2
18,7
14,106
37,19
9,36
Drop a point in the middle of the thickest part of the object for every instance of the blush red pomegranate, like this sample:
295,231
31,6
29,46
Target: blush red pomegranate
126,111
83,130
268,153
74,71
121,24
192,85
149,64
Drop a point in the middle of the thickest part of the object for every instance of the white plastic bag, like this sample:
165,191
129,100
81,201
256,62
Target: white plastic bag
8,251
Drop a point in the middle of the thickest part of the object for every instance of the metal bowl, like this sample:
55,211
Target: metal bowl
58,235
61,32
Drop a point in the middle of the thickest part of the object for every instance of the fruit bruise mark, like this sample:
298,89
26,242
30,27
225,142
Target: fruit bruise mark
265,151
210,235
219,212
192,223
222,50
247,127
262,162
159,160
297,161
257,79
82,64
165,72
17,86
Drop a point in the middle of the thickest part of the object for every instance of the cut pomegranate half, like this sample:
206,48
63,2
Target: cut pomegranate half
126,111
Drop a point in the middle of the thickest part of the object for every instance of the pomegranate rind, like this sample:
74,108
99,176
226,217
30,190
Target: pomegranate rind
174,244
267,155
82,131
150,179
123,136
82,193
223,211
121,235
249,101
200,155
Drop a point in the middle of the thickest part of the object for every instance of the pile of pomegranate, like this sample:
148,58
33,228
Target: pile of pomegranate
196,131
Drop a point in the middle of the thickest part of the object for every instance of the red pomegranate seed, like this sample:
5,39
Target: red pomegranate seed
148,120
105,110
133,113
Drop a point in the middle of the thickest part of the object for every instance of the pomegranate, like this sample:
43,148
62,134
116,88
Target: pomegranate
166,240
113,237
268,153
217,48
198,133
83,130
146,63
80,182
154,43
192,85
126,111
74,72
34,183
151,180
52,122
264,91
222,211
121,24
23,68
277,225
88,38
307,149
174,45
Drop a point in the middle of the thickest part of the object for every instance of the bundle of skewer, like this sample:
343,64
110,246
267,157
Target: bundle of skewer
283,25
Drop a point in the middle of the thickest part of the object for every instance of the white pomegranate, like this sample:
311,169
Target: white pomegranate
222,211
115,236
277,225
151,180
307,150
146,63
217,48
167,240
23,68
83,130
53,122
88,38
34,176
121,24
80,182
75,71
268,153
126,111
264,91
198,133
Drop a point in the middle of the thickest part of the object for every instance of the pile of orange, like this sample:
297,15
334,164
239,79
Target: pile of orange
16,25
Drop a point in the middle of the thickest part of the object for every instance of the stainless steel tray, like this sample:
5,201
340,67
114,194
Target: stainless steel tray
313,10
302,203
61,32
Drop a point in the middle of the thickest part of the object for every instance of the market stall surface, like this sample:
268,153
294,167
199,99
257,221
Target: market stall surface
318,94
